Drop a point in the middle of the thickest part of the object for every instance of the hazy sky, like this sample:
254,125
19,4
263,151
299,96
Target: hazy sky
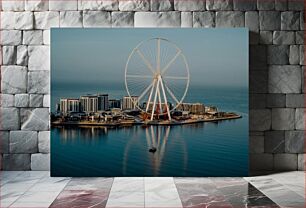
215,56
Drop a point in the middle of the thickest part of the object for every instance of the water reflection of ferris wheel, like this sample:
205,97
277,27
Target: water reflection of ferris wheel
158,137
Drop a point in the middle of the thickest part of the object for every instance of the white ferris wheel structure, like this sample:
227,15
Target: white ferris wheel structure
157,77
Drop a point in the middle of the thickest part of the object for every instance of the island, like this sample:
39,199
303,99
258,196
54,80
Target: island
98,110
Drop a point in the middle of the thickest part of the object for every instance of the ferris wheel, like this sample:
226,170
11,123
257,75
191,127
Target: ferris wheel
157,77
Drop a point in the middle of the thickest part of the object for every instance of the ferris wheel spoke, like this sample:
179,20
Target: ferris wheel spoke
158,55
174,77
145,91
171,93
138,76
171,62
150,67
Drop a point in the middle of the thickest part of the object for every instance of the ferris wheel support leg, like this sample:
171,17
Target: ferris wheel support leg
159,100
154,103
165,98
150,96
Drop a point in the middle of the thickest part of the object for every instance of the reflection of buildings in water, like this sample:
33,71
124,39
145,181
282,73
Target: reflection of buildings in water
68,133
158,137
85,133
93,132
129,129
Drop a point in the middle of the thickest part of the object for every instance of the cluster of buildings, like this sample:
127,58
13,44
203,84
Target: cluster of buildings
95,103
100,103
196,108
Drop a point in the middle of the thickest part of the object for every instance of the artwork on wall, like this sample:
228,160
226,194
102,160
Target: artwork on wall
149,102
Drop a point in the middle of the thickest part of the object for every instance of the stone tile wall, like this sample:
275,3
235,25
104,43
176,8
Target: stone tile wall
277,128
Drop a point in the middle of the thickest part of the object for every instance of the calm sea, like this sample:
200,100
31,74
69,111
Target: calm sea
205,149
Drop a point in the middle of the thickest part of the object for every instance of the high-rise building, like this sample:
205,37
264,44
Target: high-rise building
68,105
89,103
103,102
129,103
113,103
64,106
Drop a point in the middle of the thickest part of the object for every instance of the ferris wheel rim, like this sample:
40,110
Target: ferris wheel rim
185,63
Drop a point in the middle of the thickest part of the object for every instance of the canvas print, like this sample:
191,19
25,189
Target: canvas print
149,102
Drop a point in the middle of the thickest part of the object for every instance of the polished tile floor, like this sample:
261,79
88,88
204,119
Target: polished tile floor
37,189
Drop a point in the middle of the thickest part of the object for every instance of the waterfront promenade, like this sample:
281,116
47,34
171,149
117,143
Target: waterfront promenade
147,122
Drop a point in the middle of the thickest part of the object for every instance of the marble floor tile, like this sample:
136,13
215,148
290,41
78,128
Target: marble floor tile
81,199
96,183
164,179
228,182
9,174
34,174
38,190
51,184
295,181
161,192
14,189
35,199
163,198
30,176
277,192
10,188
9,199
129,178
84,192
255,198
38,196
200,194
6,176
243,194
25,184
221,192
197,189
128,185
153,184
126,200
30,205
193,180
199,201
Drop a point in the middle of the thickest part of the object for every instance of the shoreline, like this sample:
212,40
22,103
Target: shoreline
154,123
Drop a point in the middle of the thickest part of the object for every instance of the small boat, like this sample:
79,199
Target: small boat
153,149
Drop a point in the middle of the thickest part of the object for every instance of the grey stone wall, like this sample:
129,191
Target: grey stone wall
277,128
